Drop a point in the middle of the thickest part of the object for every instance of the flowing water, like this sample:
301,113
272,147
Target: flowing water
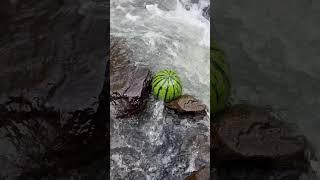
159,144
177,39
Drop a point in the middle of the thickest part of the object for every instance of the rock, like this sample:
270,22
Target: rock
251,143
202,174
248,133
94,9
206,12
164,145
187,104
53,97
254,173
130,85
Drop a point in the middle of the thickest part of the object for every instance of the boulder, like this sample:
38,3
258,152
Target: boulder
187,104
248,133
129,84
251,143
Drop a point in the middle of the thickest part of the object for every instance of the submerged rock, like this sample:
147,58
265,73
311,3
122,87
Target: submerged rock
187,104
129,84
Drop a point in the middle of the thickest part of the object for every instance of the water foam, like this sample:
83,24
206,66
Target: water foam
177,39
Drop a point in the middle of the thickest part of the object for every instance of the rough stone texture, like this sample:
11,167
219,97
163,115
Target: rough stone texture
129,84
202,174
158,144
187,104
250,133
53,90
250,143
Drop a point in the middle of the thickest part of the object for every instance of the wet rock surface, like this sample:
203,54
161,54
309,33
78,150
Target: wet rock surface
246,132
252,143
187,104
202,174
53,93
253,173
130,84
158,144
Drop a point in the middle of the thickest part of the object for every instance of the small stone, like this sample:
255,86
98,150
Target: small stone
187,104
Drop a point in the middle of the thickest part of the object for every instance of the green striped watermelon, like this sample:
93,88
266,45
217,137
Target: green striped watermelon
219,79
166,85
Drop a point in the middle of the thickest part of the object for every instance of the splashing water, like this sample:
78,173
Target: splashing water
158,144
177,39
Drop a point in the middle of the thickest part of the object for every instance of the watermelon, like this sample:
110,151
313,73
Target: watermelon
166,85
220,87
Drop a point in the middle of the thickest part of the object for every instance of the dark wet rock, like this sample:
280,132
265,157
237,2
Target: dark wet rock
252,143
253,173
202,174
246,132
95,9
187,104
206,12
53,93
130,85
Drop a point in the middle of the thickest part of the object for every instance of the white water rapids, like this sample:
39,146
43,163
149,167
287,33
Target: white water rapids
177,39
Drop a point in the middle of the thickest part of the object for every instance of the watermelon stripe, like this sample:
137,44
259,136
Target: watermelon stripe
165,96
157,79
166,85
215,88
178,82
221,70
155,84
174,89
161,88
